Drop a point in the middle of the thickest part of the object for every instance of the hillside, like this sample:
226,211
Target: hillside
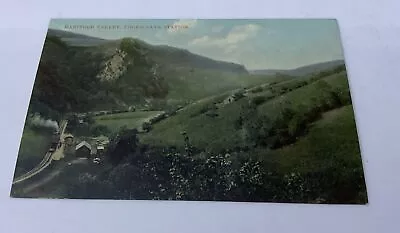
293,126
74,39
180,58
160,53
235,120
115,74
189,76
67,81
75,74
186,75
301,71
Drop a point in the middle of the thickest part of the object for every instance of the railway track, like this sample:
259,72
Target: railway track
41,166
46,161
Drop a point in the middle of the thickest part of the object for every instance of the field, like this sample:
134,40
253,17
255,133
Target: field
302,129
129,119
195,122
200,126
330,140
329,155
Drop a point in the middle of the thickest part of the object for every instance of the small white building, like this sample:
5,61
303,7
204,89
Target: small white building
229,100
83,149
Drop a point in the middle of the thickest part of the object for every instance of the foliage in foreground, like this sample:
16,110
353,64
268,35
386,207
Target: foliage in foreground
142,172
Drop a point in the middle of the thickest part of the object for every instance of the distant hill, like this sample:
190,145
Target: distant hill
183,58
160,53
189,76
81,73
75,39
301,71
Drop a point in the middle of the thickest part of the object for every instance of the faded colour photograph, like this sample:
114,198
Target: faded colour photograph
197,110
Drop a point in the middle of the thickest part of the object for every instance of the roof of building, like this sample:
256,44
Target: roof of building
101,137
68,135
100,147
83,143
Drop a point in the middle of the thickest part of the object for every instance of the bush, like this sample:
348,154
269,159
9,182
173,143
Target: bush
144,172
99,130
257,89
296,126
238,95
146,126
259,100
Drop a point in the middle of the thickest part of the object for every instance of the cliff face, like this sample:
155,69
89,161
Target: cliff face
114,67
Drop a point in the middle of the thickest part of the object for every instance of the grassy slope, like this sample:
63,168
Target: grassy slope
205,131
32,149
190,119
192,84
330,149
305,97
331,140
128,119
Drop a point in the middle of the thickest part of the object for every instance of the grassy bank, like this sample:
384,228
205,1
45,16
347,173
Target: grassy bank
129,119
34,144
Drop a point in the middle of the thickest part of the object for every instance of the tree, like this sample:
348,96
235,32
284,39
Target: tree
257,100
99,130
128,45
73,123
146,126
122,145
89,120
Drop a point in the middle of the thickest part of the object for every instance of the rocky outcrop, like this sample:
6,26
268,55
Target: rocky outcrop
114,67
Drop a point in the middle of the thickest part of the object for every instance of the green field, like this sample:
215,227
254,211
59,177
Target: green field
309,132
330,152
201,128
220,132
331,141
129,119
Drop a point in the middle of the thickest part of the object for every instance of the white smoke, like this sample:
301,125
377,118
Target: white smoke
39,121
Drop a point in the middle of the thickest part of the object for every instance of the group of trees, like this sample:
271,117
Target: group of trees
86,126
144,172
284,128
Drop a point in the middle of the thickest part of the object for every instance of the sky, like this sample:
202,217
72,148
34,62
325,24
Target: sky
256,44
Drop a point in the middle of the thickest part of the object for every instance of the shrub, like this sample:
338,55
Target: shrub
238,95
259,100
99,130
257,89
146,126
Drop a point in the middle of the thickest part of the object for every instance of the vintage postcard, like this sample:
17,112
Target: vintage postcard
194,110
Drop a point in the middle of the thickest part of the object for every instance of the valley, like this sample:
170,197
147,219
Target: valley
161,123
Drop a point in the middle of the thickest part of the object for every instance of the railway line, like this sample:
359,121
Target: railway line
47,159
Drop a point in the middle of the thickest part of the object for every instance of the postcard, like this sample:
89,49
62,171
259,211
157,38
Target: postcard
233,110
